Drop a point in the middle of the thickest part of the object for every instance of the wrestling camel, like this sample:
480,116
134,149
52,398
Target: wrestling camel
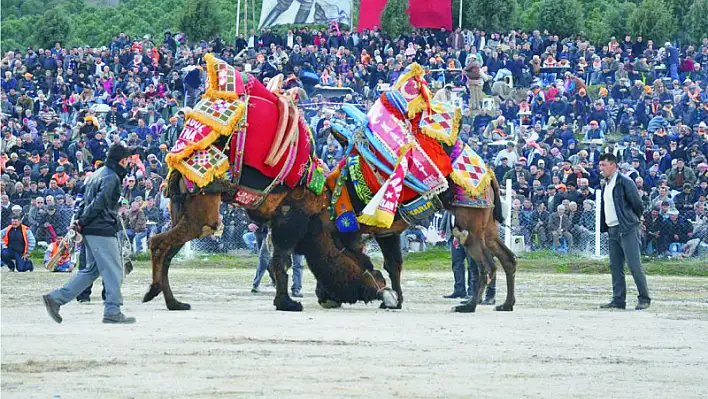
244,144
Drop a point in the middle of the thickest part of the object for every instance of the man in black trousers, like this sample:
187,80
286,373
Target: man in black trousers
620,212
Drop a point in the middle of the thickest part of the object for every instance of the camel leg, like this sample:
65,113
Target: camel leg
288,227
324,298
475,249
200,218
393,263
508,262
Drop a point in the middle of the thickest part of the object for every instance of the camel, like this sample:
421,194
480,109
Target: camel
270,171
475,227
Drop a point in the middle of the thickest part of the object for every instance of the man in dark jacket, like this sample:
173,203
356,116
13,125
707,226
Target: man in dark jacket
98,222
620,210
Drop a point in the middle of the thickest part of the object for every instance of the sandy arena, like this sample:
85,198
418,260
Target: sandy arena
234,344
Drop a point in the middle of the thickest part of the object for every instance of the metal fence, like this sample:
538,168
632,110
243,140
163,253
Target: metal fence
664,233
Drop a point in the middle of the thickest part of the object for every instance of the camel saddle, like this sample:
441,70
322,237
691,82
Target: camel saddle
244,140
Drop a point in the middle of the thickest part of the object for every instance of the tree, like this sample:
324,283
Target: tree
617,18
394,18
490,15
528,18
52,27
200,20
596,27
560,17
653,20
695,21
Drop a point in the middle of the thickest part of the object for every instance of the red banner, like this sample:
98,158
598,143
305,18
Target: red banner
370,14
423,13
430,13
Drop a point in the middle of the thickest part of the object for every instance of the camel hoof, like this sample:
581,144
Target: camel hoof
177,305
468,307
384,306
128,267
152,292
389,299
330,304
287,305
504,308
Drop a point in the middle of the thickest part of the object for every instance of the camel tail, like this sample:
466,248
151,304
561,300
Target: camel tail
497,213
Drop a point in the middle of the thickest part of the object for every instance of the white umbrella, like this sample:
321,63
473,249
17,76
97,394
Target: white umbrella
100,108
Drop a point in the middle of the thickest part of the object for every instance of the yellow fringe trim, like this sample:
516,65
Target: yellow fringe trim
441,137
471,190
202,180
373,221
381,218
211,62
217,130
213,89
225,95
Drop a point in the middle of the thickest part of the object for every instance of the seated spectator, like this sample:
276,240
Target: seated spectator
64,263
560,225
675,230
17,243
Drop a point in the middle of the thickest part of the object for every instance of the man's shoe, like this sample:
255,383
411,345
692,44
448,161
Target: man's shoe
118,318
84,300
296,294
489,301
52,308
254,290
642,305
454,296
613,305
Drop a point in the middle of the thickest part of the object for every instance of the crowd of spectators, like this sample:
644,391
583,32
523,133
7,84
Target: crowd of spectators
556,105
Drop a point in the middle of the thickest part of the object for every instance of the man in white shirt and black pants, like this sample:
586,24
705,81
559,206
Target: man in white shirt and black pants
620,213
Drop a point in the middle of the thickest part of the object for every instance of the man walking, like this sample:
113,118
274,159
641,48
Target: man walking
620,211
98,222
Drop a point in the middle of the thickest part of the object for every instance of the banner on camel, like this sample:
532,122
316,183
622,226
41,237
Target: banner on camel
392,136
193,132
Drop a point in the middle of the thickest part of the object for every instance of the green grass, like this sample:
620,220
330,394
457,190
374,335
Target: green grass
439,260
549,262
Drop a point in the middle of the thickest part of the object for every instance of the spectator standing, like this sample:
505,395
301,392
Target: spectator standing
621,209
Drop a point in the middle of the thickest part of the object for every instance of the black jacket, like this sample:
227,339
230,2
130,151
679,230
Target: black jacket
98,213
628,205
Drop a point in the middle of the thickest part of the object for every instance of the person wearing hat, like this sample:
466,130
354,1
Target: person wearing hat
594,133
680,174
17,244
509,153
672,60
685,199
675,229
98,222
620,211
21,197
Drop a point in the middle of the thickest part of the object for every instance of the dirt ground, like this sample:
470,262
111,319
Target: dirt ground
234,344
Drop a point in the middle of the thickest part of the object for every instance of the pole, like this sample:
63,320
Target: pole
238,15
507,220
598,194
460,19
245,19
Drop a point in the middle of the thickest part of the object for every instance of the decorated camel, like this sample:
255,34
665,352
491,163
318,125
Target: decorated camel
247,144
404,162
